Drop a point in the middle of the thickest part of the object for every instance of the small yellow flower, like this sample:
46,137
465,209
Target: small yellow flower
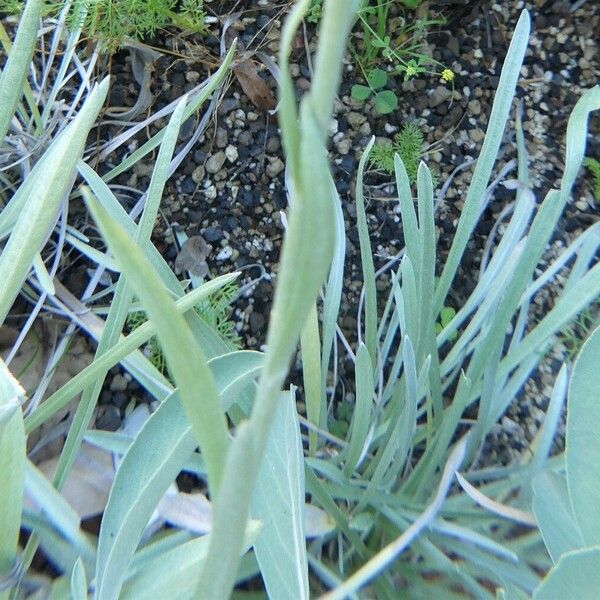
448,75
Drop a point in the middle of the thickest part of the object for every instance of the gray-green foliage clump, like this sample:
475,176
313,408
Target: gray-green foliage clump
402,502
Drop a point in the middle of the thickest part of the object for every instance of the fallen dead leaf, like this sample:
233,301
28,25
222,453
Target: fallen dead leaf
254,86
192,257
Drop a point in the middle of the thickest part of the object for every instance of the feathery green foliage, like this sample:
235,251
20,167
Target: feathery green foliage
408,144
593,166
215,312
113,21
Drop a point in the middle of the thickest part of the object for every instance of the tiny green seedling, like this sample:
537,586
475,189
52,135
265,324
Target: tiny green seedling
593,166
446,315
314,12
408,144
386,101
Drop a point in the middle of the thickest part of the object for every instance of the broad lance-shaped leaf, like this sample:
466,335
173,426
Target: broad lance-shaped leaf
583,442
305,261
576,575
552,508
149,466
174,574
186,361
278,501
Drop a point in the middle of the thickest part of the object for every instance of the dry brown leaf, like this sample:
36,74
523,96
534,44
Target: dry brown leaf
254,86
88,482
192,257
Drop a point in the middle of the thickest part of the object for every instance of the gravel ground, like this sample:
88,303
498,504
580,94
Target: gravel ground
231,189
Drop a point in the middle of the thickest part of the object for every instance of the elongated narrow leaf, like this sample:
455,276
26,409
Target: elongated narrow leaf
410,226
361,418
96,256
576,575
60,552
333,291
50,178
366,257
426,265
14,74
305,262
583,443
42,275
290,132
78,582
54,506
12,467
311,375
278,501
497,121
57,513
542,443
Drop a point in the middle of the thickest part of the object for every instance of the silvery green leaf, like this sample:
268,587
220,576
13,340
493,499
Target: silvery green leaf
552,508
278,501
78,581
583,443
576,575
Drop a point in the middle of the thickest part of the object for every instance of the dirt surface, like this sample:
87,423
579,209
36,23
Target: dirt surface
231,188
